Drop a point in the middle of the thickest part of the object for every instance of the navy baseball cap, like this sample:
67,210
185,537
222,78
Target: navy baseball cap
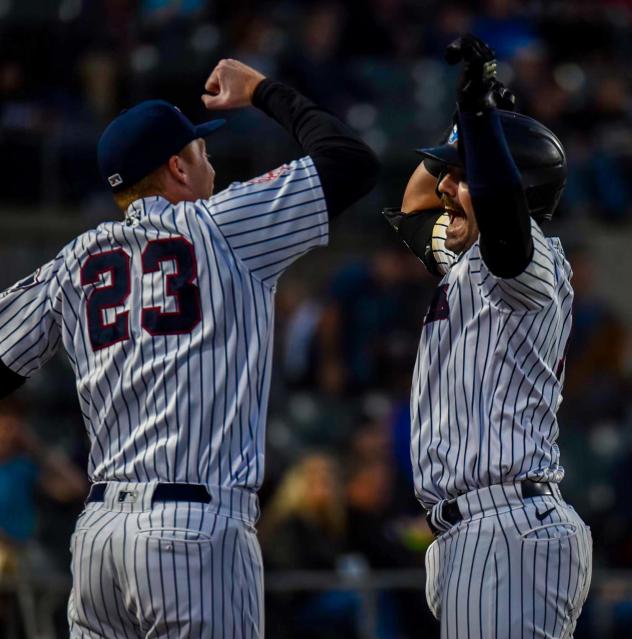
142,138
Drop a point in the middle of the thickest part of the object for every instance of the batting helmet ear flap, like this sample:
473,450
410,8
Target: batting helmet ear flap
542,201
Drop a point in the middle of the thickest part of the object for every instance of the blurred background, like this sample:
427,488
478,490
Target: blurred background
342,535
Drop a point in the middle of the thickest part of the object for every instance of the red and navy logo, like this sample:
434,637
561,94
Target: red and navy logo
270,176
439,308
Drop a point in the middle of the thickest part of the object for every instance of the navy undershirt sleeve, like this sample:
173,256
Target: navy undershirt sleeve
498,197
9,381
347,167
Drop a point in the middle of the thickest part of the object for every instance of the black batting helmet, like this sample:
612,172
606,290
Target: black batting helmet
537,152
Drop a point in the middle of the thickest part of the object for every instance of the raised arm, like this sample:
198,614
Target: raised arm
347,167
498,197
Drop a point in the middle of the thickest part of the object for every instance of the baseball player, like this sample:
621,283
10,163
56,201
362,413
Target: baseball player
511,559
167,317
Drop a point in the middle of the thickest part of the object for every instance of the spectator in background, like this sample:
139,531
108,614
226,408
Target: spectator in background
594,413
367,331
26,466
298,316
257,41
304,522
537,91
303,528
168,24
595,361
313,63
602,152
378,534
372,531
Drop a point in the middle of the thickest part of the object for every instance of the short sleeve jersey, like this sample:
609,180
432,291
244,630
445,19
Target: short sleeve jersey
167,319
488,376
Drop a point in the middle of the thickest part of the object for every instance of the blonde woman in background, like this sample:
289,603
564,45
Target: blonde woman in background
304,528
303,525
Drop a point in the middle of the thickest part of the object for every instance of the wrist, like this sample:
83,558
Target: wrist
261,91
477,103
253,85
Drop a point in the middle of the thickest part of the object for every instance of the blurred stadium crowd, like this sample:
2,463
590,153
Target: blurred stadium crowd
67,66
339,490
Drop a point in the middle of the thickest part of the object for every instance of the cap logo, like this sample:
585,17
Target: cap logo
454,135
115,180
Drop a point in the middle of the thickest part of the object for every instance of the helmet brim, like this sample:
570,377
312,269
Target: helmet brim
447,154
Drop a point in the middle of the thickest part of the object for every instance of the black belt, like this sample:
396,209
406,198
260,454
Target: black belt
451,514
162,492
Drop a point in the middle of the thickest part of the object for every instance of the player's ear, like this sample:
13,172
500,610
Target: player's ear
177,169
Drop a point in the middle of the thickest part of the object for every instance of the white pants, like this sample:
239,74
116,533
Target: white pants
168,570
511,569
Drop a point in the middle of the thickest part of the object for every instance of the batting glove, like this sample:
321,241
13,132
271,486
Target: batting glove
479,88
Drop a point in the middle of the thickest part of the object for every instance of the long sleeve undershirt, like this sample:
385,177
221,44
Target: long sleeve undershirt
347,167
9,381
498,198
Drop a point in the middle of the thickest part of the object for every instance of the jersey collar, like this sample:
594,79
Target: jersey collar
139,208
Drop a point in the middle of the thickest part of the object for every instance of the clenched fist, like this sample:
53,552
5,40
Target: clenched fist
231,85
478,81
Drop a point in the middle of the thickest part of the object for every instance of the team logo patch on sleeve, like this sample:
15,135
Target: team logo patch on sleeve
439,308
270,176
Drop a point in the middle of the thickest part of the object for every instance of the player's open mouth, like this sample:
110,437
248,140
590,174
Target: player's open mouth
458,220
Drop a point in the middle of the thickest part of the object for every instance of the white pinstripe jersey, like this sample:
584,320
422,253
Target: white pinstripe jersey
488,376
167,319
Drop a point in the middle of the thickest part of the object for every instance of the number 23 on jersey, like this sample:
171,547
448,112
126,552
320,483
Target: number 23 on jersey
178,285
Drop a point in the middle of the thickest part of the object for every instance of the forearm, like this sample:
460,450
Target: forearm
347,167
497,194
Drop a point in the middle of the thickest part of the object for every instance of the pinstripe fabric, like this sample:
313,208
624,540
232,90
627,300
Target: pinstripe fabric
186,407
170,570
488,375
167,319
486,389
507,572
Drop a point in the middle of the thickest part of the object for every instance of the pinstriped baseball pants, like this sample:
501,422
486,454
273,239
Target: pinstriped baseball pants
166,570
511,569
